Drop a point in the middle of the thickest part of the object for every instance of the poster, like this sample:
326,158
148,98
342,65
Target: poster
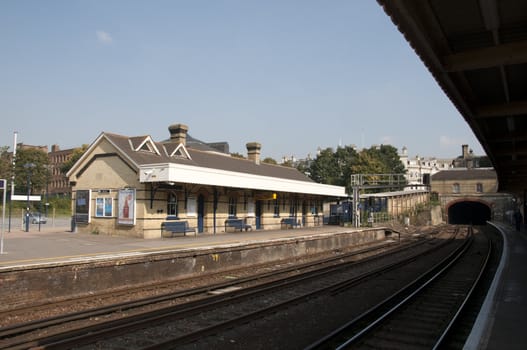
82,206
191,206
250,207
126,207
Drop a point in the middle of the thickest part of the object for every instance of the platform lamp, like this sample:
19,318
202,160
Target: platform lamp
29,167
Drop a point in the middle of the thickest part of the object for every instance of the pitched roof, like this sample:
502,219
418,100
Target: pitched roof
465,174
199,158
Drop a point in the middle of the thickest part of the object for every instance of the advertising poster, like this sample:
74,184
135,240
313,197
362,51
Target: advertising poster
191,206
126,207
82,206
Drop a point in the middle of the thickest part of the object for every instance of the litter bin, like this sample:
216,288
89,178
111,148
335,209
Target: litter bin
73,224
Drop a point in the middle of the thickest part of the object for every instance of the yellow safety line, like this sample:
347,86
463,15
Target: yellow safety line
143,250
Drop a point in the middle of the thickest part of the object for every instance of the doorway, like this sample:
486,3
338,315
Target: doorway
201,213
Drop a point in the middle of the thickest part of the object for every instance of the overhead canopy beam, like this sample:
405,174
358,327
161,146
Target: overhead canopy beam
513,53
500,110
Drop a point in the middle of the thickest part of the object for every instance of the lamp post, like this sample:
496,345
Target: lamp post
29,167
48,170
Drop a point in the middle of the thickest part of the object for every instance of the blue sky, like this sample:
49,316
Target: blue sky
292,75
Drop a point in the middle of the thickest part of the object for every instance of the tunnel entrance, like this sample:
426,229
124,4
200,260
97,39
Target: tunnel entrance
465,213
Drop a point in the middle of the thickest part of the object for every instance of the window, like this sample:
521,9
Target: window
232,207
172,205
103,207
276,208
455,188
292,208
479,187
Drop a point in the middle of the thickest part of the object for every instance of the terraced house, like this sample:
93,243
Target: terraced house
135,186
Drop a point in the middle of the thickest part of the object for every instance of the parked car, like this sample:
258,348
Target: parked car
36,218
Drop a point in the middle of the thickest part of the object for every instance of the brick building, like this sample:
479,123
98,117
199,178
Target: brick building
131,185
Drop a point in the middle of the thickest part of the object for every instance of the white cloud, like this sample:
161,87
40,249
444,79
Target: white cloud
104,37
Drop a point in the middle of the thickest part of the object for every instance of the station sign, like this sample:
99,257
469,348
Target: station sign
22,197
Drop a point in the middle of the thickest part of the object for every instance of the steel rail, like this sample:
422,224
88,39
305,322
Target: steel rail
399,299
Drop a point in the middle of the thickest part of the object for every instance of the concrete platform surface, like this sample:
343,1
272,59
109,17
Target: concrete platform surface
500,325
59,244
502,322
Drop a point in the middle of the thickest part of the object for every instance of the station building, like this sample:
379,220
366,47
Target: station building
130,186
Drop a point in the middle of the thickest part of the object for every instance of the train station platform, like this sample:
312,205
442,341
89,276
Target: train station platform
52,245
500,325
502,321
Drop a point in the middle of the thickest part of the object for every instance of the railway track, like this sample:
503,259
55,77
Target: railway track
420,315
241,304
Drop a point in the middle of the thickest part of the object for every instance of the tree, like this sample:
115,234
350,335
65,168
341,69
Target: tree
237,155
333,168
380,160
38,172
336,167
269,160
75,156
5,163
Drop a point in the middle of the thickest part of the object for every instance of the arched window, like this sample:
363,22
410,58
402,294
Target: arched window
172,207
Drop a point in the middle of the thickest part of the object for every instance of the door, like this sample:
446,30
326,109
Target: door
258,214
201,213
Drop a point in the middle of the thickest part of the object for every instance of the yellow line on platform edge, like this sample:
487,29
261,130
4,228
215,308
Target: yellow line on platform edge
57,259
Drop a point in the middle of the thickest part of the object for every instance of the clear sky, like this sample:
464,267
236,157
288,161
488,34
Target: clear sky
292,75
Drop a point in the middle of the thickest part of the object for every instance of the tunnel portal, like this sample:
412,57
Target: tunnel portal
468,212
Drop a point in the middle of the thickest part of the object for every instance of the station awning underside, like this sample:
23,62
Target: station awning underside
477,52
177,173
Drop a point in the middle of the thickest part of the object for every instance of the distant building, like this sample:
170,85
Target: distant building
57,184
470,196
468,160
420,169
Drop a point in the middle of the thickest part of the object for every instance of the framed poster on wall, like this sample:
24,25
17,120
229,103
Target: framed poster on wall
191,206
82,206
126,207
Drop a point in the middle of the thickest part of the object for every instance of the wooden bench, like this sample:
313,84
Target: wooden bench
290,222
238,224
175,228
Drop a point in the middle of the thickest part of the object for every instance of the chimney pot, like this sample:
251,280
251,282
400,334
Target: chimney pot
253,151
178,133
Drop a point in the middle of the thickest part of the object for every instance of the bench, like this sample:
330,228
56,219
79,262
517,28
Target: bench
290,222
176,227
238,224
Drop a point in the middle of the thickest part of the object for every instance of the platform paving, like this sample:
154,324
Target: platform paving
59,244
502,322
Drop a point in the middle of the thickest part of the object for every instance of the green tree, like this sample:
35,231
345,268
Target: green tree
269,160
33,163
237,155
333,167
5,163
382,160
336,167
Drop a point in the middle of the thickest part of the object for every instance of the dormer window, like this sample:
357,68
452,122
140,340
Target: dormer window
143,144
179,151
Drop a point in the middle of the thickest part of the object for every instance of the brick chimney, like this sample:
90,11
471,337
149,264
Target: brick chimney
464,151
178,133
253,151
